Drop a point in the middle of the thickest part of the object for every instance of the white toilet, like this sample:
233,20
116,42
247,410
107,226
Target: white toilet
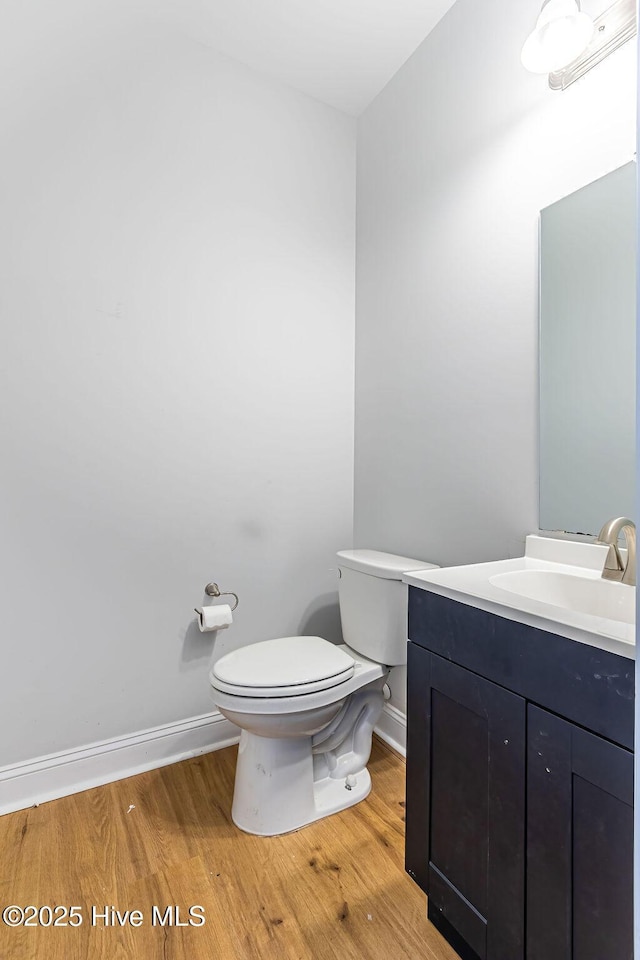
307,708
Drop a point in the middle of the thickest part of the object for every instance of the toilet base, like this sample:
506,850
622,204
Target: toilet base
275,791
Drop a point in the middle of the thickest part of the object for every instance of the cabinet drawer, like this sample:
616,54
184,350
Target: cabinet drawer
592,687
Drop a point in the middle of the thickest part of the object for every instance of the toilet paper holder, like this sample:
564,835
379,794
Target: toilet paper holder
213,590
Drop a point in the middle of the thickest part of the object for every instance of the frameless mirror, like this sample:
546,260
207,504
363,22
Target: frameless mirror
587,355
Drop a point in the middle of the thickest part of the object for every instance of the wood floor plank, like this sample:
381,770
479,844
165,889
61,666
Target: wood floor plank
165,839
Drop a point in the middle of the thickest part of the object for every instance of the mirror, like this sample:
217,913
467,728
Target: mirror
587,355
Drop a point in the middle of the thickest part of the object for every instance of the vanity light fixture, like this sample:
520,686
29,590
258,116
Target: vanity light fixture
567,43
561,34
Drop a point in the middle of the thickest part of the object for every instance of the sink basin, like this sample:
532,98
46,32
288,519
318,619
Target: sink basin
584,594
556,586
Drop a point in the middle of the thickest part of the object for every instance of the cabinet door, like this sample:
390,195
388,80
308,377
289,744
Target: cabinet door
465,805
579,843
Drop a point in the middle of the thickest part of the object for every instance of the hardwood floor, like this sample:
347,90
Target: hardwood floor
336,889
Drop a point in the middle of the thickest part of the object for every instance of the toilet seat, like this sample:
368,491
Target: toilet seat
284,667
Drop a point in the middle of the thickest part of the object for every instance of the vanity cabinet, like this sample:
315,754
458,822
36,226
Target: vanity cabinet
519,786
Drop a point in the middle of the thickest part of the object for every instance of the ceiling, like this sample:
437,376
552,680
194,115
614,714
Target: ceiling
342,52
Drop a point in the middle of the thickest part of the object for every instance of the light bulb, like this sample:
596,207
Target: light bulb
561,34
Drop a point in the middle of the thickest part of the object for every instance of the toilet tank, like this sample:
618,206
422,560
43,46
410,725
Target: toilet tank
373,603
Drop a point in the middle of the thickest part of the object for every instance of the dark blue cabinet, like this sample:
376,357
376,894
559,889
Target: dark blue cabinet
519,820
579,843
466,828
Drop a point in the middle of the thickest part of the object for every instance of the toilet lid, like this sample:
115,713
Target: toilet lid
287,666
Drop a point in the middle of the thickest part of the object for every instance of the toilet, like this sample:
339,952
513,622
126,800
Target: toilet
307,708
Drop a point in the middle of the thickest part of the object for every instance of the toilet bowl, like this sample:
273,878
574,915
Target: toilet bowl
302,754
307,708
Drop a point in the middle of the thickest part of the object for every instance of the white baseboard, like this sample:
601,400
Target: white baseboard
61,774
392,728
71,771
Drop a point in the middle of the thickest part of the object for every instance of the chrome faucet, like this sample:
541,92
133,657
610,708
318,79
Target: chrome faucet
615,568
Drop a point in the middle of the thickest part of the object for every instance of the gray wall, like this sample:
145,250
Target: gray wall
177,307
456,157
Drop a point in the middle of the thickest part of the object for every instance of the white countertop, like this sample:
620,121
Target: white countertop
470,584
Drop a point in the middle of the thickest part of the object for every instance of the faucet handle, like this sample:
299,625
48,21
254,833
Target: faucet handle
613,565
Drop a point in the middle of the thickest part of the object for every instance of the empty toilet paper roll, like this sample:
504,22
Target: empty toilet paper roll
216,617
